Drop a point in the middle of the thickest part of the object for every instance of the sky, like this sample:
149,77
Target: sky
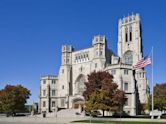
33,31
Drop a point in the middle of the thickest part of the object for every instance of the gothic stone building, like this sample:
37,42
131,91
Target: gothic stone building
65,90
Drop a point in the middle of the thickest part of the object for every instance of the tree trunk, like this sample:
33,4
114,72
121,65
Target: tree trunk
103,113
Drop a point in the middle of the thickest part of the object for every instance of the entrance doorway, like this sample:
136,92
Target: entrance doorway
78,103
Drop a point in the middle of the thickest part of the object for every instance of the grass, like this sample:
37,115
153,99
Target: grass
116,122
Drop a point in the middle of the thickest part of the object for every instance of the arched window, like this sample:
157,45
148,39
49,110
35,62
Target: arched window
130,33
126,32
80,86
128,57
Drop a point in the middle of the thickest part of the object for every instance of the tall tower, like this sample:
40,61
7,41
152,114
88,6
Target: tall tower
129,39
65,74
130,51
99,48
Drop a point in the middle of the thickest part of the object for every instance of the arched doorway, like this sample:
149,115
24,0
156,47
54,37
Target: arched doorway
78,103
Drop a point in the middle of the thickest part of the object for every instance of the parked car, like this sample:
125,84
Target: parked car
94,113
10,114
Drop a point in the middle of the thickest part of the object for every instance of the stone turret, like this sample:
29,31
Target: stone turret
66,54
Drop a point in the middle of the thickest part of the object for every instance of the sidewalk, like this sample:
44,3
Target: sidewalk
66,120
40,120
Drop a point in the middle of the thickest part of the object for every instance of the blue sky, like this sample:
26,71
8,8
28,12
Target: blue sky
33,31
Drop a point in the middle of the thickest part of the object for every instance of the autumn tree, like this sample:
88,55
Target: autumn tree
102,93
159,97
13,98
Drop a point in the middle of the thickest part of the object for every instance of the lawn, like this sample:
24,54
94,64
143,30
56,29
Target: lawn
116,122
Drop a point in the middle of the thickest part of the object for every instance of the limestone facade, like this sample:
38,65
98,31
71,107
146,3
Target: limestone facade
65,90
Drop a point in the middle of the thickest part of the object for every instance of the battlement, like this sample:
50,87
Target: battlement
99,40
129,19
49,77
67,48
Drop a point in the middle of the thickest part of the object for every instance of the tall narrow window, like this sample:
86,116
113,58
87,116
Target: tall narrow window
126,72
87,55
130,36
125,86
101,53
53,103
44,92
53,81
126,36
53,92
130,33
44,104
67,61
143,75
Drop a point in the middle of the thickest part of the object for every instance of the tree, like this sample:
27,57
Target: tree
159,97
102,93
13,98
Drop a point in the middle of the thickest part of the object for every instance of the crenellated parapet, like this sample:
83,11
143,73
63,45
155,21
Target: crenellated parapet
99,39
67,48
129,19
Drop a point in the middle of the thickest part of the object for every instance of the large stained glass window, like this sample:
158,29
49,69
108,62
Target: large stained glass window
128,57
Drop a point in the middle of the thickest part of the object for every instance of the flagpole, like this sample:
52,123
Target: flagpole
152,87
